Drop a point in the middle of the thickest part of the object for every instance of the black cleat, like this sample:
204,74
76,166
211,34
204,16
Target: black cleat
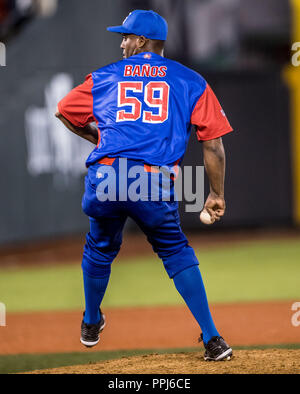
90,332
216,349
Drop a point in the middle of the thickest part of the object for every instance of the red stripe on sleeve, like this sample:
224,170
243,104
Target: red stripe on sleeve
209,117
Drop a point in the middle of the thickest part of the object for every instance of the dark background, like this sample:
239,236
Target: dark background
240,47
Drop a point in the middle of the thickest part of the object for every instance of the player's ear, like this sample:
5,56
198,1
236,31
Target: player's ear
141,42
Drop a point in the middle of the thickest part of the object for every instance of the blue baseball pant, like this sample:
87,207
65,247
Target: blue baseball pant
159,220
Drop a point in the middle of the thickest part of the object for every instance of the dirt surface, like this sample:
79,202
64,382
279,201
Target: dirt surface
271,361
149,328
65,250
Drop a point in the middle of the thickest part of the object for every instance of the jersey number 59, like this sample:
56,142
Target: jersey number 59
161,103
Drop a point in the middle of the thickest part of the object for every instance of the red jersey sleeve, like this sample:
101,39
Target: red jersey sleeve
77,106
209,117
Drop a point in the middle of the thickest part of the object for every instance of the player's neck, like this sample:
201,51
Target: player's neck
159,52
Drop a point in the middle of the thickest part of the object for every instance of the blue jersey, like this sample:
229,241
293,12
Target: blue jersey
144,107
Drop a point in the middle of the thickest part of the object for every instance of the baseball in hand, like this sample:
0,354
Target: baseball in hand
205,217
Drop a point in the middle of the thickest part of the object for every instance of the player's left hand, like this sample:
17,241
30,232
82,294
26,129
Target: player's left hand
215,205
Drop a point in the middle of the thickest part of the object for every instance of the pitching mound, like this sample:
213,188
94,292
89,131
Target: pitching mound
271,361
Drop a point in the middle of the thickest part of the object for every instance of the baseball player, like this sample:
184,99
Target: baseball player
144,107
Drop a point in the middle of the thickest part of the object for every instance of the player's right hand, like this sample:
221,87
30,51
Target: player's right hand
215,205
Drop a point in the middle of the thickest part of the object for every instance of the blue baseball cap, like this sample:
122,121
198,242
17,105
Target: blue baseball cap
143,23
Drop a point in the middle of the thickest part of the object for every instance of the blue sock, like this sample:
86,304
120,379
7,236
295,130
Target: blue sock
190,286
94,290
